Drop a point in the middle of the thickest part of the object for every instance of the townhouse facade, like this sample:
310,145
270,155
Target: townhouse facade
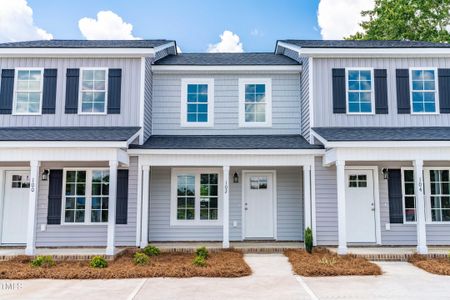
122,143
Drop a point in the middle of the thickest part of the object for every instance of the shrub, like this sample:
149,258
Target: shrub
140,259
199,261
308,240
202,252
151,250
43,261
98,262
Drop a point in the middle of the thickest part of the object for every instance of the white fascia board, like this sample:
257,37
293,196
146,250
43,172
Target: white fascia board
62,144
227,69
227,151
77,52
165,46
388,144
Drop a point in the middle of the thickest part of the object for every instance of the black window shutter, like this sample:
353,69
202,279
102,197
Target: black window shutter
339,105
395,196
444,90
72,89
122,197
55,197
114,90
49,92
381,93
7,91
403,103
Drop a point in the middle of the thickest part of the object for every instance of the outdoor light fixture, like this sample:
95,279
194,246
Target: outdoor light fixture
235,177
45,175
385,173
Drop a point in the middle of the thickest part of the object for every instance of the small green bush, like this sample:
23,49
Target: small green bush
308,240
202,252
98,262
43,261
151,250
140,259
199,261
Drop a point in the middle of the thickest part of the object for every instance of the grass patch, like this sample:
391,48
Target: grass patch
440,266
322,262
220,264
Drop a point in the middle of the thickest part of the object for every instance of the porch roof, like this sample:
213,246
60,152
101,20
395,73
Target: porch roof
358,134
235,142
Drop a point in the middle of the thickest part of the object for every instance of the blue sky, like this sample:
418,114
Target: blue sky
193,23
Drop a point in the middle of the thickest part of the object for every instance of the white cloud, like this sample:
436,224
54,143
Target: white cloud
107,26
229,42
16,22
340,18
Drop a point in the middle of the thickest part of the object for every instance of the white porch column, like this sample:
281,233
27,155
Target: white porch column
420,211
110,246
145,204
226,207
342,227
32,205
307,195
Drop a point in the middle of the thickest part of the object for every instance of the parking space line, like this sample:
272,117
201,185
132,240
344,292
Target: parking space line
306,288
137,289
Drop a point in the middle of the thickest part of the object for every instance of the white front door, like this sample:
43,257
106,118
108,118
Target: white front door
15,207
360,206
258,205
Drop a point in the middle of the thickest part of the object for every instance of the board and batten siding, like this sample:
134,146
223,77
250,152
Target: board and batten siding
86,235
289,209
286,118
323,100
130,94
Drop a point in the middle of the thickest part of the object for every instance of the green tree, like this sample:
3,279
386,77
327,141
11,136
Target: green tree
415,20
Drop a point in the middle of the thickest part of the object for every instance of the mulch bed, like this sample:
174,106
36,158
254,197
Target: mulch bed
440,266
322,262
219,264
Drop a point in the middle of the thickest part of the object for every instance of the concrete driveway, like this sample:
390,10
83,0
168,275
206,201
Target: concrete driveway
272,279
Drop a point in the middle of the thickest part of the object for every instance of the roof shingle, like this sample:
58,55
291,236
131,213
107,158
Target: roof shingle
217,59
86,44
363,44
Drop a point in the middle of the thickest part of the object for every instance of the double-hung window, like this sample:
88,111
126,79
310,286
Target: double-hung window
85,196
197,102
423,91
195,197
93,91
255,102
409,196
28,91
439,194
360,95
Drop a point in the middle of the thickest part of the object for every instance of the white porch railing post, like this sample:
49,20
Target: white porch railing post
111,242
420,211
145,204
307,195
342,227
226,207
33,198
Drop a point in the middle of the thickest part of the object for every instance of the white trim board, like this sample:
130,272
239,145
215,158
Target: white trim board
227,69
267,82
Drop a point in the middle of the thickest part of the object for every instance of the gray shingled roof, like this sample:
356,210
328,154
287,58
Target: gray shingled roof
55,134
86,44
217,59
226,142
355,134
363,44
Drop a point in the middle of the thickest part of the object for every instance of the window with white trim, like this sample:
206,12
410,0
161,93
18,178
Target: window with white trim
28,91
423,91
440,195
409,196
195,197
360,91
255,102
85,196
197,102
93,91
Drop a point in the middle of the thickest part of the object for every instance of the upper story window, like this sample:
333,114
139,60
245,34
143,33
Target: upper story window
197,102
28,91
255,102
423,91
360,91
93,91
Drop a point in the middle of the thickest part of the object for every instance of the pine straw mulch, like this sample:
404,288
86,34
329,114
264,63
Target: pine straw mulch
219,264
440,266
322,262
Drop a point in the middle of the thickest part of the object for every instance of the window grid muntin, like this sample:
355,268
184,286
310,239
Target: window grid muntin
27,97
360,91
409,196
186,195
357,180
421,92
100,196
209,196
92,87
75,197
18,181
439,195
197,103
255,103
